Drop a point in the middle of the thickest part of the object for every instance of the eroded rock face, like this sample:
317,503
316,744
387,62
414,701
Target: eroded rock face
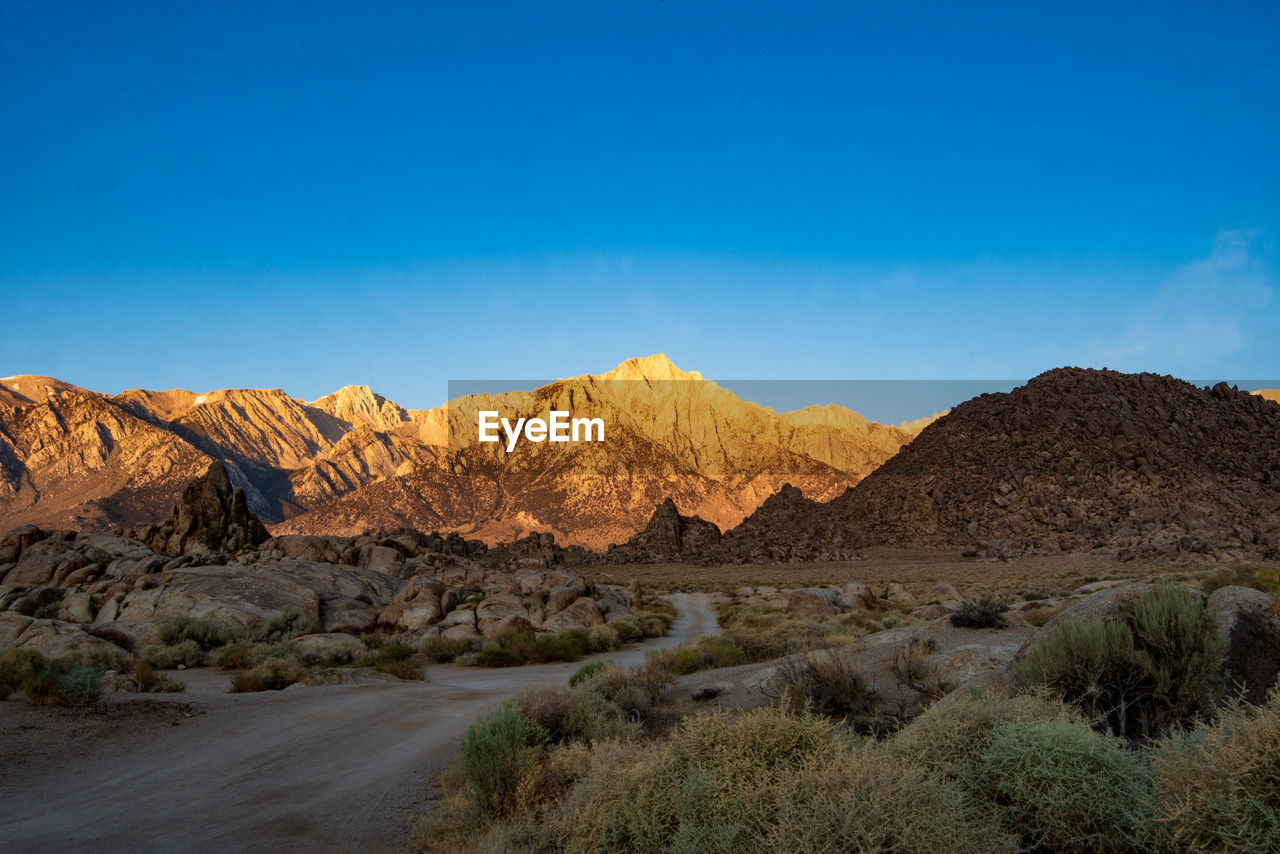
211,518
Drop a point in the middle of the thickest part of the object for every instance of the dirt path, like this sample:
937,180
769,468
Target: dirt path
329,769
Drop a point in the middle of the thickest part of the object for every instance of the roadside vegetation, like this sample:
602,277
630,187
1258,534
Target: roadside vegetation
1119,741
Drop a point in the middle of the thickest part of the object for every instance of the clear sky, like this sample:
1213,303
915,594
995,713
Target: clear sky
309,195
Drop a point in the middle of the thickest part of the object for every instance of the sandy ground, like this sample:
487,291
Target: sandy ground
341,768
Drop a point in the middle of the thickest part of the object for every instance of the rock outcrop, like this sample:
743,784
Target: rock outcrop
211,518
669,538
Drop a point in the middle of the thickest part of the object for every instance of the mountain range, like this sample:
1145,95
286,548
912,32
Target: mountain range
353,460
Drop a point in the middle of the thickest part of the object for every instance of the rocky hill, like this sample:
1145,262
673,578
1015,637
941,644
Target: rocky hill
354,460
1132,465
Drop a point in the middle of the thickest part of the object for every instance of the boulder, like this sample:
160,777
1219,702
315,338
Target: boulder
54,638
581,614
808,604
856,595
510,625
1250,621
943,592
417,604
225,595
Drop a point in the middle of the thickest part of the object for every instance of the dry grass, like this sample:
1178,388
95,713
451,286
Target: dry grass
1038,576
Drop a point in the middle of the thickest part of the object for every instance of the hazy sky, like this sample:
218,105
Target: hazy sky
309,195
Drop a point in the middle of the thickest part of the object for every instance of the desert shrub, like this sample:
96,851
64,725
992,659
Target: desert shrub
566,645
187,653
17,668
494,655
764,781
951,730
860,798
912,669
468,659
403,668
1175,627
710,651
628,628
69,680
151,682
763,634
272,674
206,634
441,649
1062,787
493,754
601,638
240,655
1139,677
569,715
824,682
586,671
1217,787
289,623
637,689
1039,616
979,614
1266,580
111,634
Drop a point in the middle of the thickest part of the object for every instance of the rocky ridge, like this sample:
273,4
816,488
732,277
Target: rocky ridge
354,460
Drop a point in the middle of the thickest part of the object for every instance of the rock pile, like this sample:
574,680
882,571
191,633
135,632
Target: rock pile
1128,465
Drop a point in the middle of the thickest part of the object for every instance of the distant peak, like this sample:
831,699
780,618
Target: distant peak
655,368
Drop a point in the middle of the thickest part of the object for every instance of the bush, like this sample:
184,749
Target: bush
273,674
763,635
207,634
17,668
288,624
566,645
764,781
601,638
1266,580
1062,786
710,651
240,655
441,649
493,655
151,682
569,715
628,628
1175,627
187,653
403,668
586,671
70,680
979,614
1217,788
959,726
823,682
493,755
1139,677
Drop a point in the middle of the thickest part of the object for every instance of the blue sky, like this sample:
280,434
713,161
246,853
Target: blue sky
310,195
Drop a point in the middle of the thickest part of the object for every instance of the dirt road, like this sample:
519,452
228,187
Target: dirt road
327,769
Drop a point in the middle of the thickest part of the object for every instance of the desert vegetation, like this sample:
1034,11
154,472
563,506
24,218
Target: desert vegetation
1121,738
